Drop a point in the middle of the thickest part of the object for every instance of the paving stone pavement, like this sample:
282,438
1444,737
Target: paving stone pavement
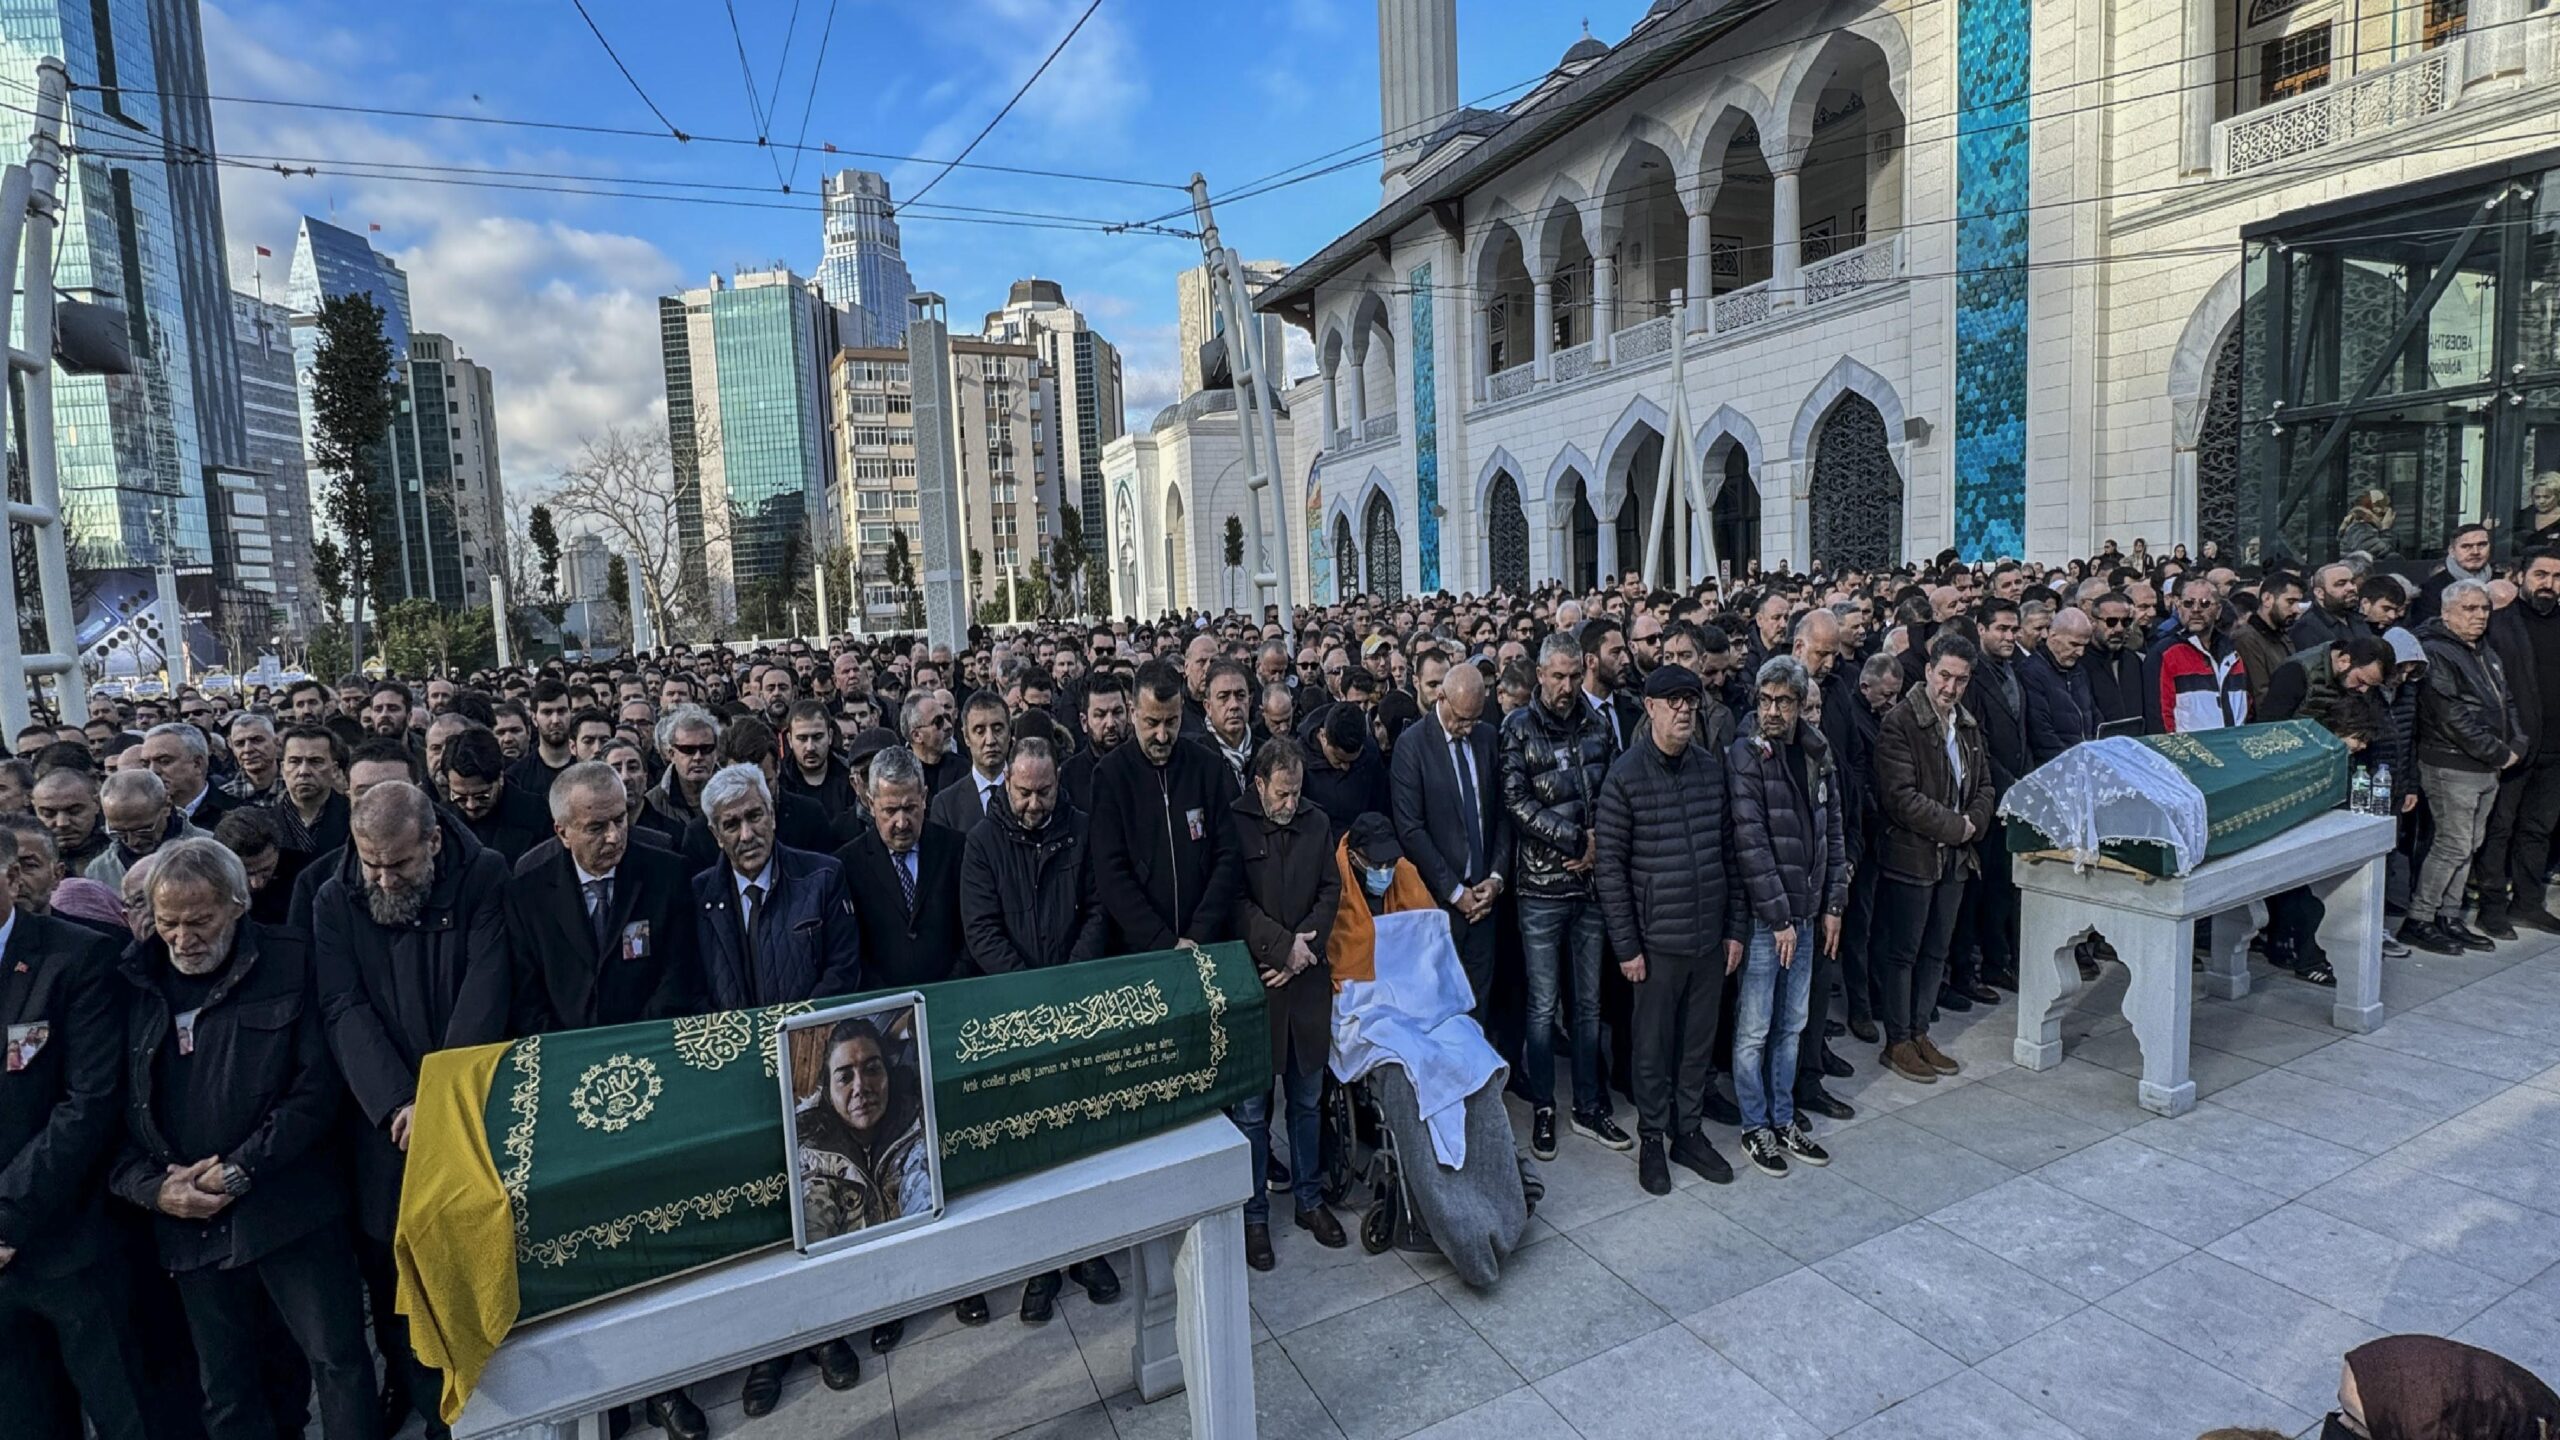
2004,1254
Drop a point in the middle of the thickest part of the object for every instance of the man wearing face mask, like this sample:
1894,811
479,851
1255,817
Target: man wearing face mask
2515,856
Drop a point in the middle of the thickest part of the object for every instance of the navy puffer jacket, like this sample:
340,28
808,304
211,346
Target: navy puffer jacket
1666,850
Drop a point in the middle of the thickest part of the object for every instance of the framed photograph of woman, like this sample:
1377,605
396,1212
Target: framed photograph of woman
857,1116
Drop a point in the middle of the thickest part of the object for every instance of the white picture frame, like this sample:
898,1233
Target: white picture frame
847,1188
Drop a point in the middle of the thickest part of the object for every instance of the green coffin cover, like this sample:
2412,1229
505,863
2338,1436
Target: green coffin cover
2258,781
631,1153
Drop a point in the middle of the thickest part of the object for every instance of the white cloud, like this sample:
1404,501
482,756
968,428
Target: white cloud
563,314
1150,370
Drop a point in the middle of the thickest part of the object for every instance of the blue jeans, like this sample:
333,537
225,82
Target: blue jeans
1545,928
1771,998
1306,1125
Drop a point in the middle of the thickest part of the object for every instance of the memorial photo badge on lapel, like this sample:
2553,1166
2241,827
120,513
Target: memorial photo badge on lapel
25,1041
635,940
1199,827
186,1023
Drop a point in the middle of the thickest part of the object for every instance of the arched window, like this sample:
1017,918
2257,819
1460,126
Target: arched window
2218,452
1507,535
1386,550
1737,511
1856,495
1346,560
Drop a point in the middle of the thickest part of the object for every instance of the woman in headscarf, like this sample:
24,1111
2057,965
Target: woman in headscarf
2425,1387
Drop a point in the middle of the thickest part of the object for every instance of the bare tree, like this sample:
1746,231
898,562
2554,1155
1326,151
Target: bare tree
623,486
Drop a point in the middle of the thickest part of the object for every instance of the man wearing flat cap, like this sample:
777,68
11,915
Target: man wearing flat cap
1665,876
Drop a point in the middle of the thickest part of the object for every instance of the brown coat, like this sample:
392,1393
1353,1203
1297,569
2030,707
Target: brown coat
1925,813
1290,888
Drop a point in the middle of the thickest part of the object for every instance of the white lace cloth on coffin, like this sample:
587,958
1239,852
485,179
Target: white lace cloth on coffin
2112,789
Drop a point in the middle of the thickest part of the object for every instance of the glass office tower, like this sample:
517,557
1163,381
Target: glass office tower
865,266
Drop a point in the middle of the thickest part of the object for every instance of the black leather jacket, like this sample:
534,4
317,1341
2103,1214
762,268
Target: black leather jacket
1552,766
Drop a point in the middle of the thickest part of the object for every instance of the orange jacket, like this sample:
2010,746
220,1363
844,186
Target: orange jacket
1353,949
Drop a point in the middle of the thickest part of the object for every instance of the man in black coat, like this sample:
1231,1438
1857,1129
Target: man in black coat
409,937
1878,687
1105,718
1446,780
799,823
2062,710
2515,856
904,873
1027,903
1998,700
59,1123
1164,857
1664,839
986,734
1346,779
602,930
812,770
2115,666
503,815
231,1108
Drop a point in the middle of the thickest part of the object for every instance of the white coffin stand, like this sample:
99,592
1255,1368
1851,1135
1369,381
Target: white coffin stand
1178,1197
2151,923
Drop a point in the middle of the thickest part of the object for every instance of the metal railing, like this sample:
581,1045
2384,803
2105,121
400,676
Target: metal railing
2357,108
1642,341
1378,427
1850,271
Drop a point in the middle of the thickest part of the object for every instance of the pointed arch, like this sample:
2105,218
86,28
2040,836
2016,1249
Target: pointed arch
1645,130
1499,463
1486,243
1565,204
1847,377
1570,458
2191,364
1724,429
1640,412
1735,105
1799,90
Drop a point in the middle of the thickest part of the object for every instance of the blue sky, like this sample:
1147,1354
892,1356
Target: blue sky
557,293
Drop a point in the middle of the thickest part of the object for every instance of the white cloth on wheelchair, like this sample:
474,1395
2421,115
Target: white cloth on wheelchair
1415,1015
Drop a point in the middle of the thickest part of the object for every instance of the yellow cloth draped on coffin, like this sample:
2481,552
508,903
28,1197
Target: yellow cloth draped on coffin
456,1247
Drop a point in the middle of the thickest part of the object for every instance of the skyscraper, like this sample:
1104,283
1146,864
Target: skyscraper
864,266
746,366
271,409
195,229
127,446
1086,369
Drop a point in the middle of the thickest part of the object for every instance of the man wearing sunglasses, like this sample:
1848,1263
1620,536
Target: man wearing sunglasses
689,742
2114,663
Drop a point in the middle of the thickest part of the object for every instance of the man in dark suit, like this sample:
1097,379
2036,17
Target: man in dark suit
59,1122
1105,717
986,733
904,875
602,929
1997,698
799,823
775,927
1447,783
1164,856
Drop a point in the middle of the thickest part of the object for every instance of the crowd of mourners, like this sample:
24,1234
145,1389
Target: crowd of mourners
1698,840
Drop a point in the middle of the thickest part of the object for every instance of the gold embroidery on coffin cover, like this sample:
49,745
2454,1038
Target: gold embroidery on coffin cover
711,1042
616,1093
1161,1091
1118,1008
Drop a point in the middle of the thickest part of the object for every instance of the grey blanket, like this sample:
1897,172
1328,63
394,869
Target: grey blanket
1476,1214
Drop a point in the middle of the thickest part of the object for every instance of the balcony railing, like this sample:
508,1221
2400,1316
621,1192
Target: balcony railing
1573,364
1378,427
1642,342
1850,271
1740,309
1510,384
2359,108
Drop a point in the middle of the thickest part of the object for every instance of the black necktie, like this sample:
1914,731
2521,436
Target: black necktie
754,908
906,879
599,911
1467,798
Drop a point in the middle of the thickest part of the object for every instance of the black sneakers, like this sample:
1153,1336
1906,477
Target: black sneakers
1542,1132
1603,1129
1719,1109
2427,935
1653,1172
1767,1155
1801,1144
1276,1176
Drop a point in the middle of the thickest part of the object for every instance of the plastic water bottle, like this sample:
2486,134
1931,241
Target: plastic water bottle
2360,792
2382,795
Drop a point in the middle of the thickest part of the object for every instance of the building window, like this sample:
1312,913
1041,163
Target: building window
2294,64
2445,20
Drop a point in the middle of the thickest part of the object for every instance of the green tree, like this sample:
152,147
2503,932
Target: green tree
617,588
351,409
977,571
329,572
325,653
901,567
1234,549
546,548
1097,590
421,637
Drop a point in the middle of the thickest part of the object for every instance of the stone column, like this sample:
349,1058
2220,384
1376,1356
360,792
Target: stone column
1604,300
1786,236
1701,281
1605,534
1359,393
1546,322
1332,407
2196,79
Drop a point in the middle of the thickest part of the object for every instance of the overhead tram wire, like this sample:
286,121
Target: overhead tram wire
809,104
621,132
672,128
1024,89
1376,148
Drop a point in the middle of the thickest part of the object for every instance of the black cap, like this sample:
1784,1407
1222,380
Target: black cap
1373,839
869,743
1669,681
